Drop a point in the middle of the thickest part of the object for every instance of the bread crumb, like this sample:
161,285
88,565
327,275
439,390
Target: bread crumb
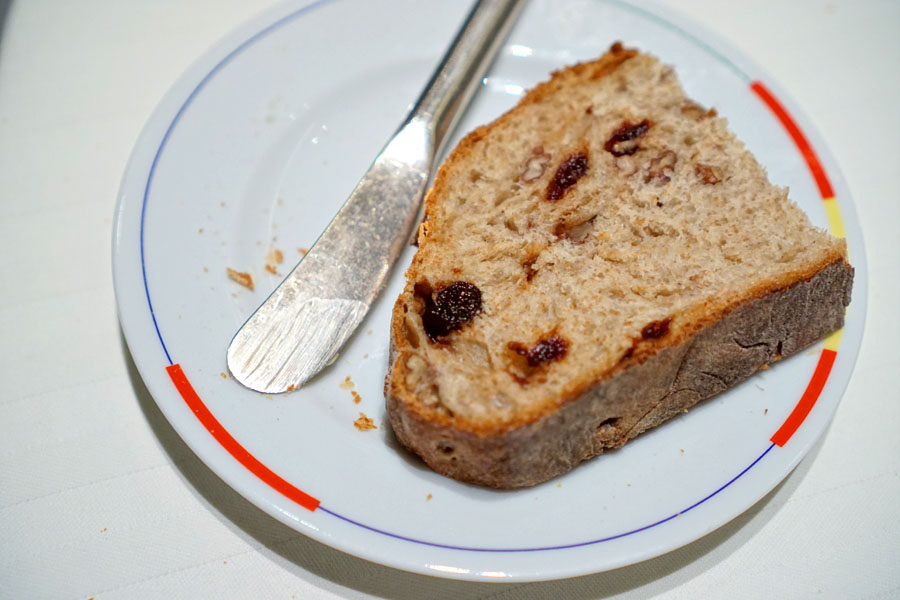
290,388
274,257
559,485
239,277
302,251
103,530
205,270
365,356
364,423
223,375
764,367
347,383
200,230
369,332
681,450
428,497
356,397
766,411
627,485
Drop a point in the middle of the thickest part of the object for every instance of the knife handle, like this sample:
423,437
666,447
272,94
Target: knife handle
462,68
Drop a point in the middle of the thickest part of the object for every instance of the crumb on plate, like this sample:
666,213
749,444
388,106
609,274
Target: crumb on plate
239,277
364,423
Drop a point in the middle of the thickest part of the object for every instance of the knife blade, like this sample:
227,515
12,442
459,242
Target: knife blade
303,324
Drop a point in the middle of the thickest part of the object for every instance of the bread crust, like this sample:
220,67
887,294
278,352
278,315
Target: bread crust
643,394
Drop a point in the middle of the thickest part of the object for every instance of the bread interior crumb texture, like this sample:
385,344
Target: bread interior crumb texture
668,224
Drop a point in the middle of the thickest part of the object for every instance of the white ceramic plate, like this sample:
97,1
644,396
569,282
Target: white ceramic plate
256,147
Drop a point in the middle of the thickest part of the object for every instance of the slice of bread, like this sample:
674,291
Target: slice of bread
591,264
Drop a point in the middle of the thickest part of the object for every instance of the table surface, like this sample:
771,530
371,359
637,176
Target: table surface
99,497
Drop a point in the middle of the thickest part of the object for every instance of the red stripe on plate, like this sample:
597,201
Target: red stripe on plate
230,444
806,150
808,400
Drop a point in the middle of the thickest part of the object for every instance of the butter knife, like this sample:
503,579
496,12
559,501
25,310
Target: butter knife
302,325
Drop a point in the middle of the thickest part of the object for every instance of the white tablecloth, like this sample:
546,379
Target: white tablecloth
100,498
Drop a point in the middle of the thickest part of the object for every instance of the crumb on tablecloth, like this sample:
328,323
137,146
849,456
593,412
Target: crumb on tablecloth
356,397
347,383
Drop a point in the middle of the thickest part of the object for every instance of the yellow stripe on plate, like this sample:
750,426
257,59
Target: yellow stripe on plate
834,340
835,222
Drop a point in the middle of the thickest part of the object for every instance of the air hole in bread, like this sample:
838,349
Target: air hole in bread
528,266
609,423
412,337
445,447
577,233
501,197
